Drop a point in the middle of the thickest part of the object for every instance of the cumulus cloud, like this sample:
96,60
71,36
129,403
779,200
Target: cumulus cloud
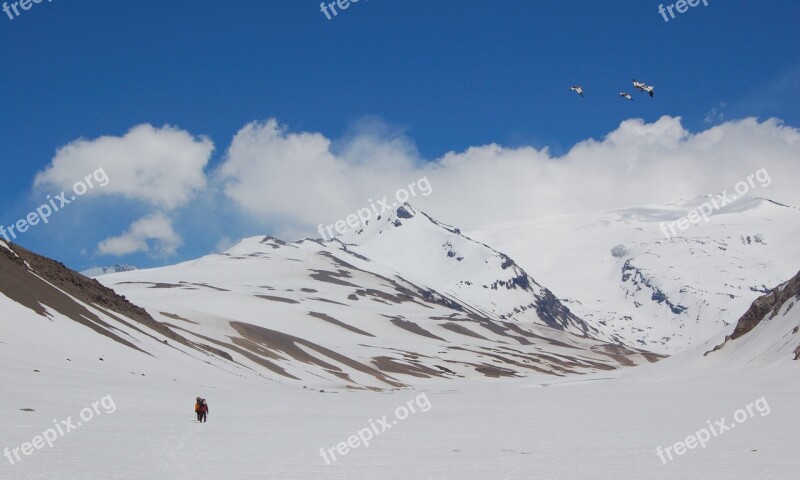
152,234
273,173
294,180
272,180
163,167
301,179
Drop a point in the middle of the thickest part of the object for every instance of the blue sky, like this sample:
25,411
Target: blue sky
421,78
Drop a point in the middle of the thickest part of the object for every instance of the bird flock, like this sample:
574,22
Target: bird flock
641,86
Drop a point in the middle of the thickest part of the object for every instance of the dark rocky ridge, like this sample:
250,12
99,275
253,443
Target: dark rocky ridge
769,304
35,281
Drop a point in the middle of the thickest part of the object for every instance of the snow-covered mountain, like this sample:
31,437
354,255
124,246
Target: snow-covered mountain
97,271
620,273
439,256
248,327
324,313
403,299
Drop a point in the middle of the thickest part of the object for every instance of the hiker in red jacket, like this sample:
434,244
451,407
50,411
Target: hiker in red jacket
203,414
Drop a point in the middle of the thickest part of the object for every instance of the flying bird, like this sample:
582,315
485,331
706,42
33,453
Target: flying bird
625,95
644,87
577,89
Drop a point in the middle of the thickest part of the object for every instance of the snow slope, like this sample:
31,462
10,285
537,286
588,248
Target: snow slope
574,431
618,272
596,426
323,315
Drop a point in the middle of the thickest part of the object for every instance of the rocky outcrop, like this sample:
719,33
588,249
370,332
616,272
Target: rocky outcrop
766,306
37,282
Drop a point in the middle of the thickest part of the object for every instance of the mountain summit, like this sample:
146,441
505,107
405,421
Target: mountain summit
441,257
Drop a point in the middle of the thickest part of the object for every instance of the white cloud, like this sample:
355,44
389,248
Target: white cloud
299,180
153,234
163,167
272,173
286,183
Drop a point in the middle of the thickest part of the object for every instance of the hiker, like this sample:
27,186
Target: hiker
203,411
197,403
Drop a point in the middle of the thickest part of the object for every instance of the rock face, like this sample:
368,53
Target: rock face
769,304
778,301
42,284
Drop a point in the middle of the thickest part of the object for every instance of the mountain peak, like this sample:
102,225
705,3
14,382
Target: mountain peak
436,254
399,216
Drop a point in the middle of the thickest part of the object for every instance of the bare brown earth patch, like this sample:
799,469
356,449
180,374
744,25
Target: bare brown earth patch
493,371
246,352
621,354
515,328
206,286
413,328
289,345
509,361
391,365
404,294
277,299
384,297
329,319
503,331
461,330
335,278
325,300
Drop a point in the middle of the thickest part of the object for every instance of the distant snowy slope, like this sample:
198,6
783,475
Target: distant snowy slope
97,271
618,271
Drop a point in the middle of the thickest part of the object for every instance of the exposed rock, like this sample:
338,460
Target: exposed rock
769,304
